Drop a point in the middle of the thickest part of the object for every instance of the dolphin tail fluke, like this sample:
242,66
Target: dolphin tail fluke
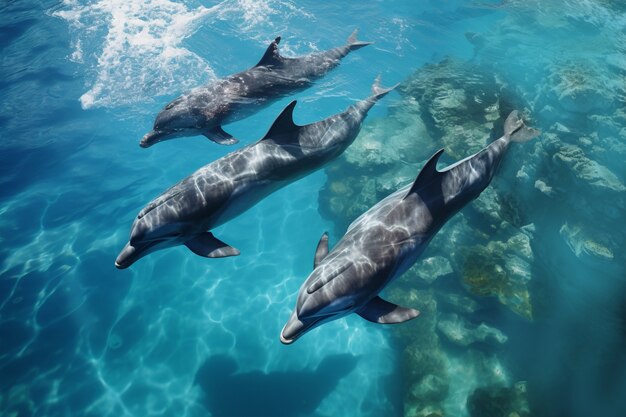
378,91
209,246
515,129
354,43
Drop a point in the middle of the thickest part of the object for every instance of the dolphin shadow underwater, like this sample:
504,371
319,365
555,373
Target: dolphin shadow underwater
289,394
387,240
204,110
227,187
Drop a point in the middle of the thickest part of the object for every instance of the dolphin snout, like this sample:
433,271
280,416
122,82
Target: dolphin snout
126,257
161,134
150,138
292,330
286,341
296,328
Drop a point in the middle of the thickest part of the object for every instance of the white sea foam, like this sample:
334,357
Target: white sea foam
262,20
134,50
141,51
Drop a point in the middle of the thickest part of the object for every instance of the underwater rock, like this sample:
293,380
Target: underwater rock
580,242
606,125
423,361
384,157
580,87
529,230
488,205
544,188
608,133
459,106
430,389
587,171
585,181
499,401
431,269
452,104
457,302
501,269
428,411
459,102
381,145
585,178
468,370
460,332
432,376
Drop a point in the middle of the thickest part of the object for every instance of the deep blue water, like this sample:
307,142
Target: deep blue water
180,335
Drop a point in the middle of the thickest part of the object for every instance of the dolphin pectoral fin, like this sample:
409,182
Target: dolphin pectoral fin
321,251
218,135
384,312
209,246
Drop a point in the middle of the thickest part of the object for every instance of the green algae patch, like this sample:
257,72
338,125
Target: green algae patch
487,274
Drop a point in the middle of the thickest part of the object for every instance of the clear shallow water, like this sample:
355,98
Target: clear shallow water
182,335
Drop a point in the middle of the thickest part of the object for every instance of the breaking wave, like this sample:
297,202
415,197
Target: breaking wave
135,51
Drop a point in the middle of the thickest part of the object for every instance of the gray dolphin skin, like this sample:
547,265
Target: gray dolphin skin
205,109
232,184
387,240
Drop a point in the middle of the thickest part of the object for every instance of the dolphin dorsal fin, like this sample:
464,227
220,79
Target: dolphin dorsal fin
283,126
271,57
427,174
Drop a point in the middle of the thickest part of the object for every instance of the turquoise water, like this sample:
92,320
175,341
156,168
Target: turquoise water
180,335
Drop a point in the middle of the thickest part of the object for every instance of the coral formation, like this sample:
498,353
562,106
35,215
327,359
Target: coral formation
499,401
578,87
580,242
424,363
501,269
460,332
587,172
483,251
460,107
492,256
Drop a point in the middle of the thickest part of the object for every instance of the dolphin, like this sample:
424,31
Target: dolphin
232,184
205,109
387,240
